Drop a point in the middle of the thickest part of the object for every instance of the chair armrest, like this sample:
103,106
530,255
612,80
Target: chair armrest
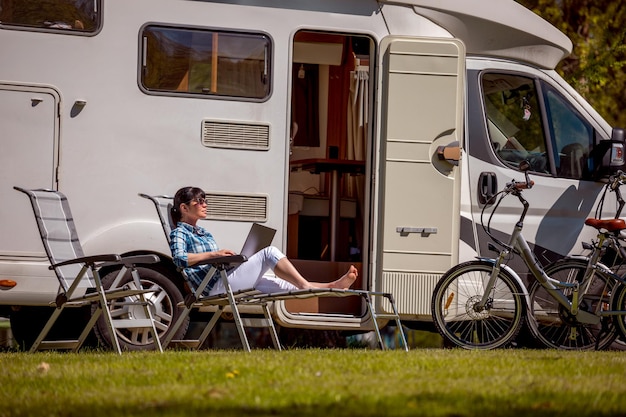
88,260
130,261
224,260
140,259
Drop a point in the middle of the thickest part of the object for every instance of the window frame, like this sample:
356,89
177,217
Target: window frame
62,31
142,57
542,87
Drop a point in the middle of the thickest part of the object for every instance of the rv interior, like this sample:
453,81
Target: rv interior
329,144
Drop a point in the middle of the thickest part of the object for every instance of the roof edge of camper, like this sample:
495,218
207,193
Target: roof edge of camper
500,28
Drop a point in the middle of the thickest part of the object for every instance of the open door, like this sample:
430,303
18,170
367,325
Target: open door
418,192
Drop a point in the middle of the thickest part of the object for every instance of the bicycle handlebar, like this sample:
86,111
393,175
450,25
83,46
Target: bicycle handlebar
521,185
617,180
517,186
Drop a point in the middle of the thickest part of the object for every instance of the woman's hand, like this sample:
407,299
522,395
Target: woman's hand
223,252
194,258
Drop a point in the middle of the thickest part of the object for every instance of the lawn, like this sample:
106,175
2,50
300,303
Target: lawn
313,382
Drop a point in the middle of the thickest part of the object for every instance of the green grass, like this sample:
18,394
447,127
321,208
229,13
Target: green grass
338,382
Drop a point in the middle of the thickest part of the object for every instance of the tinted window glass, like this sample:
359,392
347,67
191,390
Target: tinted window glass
205,62
572,137
514,120
55,15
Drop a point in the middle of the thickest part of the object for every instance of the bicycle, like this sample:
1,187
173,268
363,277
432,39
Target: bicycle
483,303
606,253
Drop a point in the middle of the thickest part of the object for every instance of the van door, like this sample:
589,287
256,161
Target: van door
418,193
30,125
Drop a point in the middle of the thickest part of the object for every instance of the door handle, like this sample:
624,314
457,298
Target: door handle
424,231
450,153
487,187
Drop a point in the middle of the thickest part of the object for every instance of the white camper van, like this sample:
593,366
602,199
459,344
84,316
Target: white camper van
365,132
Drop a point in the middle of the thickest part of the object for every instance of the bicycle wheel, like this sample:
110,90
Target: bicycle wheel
462,323
554,326
619,304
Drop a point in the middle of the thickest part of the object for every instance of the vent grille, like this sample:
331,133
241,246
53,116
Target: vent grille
412,291
235,135
237,207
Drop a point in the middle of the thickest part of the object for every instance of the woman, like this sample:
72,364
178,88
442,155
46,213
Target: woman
191,244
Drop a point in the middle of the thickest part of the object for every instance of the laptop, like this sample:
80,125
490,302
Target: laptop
258,238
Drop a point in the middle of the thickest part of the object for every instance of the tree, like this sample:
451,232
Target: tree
595,68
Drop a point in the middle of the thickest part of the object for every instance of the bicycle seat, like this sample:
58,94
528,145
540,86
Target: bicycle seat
612,225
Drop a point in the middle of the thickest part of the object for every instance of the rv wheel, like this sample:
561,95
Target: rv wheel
163,301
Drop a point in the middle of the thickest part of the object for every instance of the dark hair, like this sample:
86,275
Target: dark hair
184,196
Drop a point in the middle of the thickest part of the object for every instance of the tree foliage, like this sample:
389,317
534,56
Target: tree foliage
595,68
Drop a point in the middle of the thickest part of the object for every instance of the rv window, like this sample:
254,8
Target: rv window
205,63
514,120
69,16
572,136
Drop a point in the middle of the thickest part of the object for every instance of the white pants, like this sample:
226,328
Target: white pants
251,274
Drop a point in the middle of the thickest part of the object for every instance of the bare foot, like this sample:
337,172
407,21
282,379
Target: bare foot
347,279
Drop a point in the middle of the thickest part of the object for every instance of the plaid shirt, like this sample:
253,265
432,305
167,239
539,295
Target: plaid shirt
185,239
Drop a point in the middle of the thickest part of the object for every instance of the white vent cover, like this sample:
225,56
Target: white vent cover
412,291
235,135
237,207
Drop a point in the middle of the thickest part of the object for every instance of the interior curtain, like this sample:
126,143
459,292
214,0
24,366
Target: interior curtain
305,104
358,122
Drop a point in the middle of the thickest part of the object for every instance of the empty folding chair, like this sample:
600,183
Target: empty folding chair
79,277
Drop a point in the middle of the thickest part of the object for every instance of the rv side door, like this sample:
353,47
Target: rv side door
29,120
418,192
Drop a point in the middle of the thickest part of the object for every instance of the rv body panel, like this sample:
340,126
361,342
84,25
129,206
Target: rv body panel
382,85
503,29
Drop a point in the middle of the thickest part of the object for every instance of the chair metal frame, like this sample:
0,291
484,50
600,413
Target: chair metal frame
79,278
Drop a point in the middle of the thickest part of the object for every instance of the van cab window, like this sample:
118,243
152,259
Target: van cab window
205,63
571,135
530,120
514,120
71,16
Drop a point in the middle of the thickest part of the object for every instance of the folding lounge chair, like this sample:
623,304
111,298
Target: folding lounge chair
252,297
79,277
196,299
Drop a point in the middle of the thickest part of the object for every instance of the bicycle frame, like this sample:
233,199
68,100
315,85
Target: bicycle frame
552,286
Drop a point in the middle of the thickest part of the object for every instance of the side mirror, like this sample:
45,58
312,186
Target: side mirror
609,155
618,134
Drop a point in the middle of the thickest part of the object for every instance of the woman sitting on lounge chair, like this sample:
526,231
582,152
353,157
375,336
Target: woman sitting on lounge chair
191,244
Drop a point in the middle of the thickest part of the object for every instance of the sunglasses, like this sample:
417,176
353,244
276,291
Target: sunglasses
199,200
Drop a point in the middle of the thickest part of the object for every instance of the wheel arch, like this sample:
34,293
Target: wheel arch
166,266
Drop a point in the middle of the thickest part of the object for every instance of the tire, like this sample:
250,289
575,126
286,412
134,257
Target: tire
163,303
619,304
455,296
554,327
